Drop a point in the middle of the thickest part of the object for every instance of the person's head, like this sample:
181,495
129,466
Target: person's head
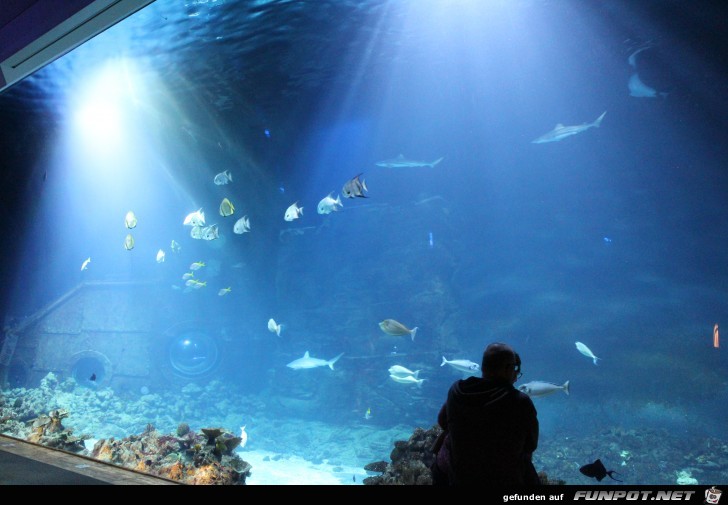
500,361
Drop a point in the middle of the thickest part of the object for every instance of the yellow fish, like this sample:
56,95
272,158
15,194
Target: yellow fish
397,329
226,208
368,414
224,291
197,265
130,221
129,242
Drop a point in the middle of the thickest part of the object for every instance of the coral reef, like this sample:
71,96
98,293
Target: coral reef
191,458
411,460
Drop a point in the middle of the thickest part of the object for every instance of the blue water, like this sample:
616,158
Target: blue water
613,237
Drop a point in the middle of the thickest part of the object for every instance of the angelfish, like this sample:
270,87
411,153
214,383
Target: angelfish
130,220
274,327
293,212
586,351
355,187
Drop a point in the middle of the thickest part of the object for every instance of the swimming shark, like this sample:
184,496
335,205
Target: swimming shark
402,162
309,362
560,131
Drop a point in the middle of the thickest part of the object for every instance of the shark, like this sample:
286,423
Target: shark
308,362
402,162
560,132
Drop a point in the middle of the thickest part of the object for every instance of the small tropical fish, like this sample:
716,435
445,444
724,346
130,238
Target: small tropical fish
716,336
196,218
402,162
226,208
130,221
223,178
242,225
368,414
586,352
402,371
197,265
224,291
537,388
327,205
275,327
597,471
197,284
355,188
407,379
93,377
463,365
210,232
560,131
196,232
293,212
308,362
129,242
84,265
175,247
188,276
397,329
160,256
243,436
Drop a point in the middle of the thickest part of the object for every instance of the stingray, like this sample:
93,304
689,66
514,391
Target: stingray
597,471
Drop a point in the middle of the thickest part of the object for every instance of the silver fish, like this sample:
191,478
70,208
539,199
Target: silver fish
328,204
402,162
401,371
355,187
242,225
130,220
210,232
408,379
223,178
462,365
293,212
539,388
196,218
560,132
586,352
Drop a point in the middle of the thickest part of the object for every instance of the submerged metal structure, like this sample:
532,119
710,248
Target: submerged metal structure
116,334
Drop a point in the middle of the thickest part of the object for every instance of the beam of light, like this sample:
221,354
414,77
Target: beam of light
101,106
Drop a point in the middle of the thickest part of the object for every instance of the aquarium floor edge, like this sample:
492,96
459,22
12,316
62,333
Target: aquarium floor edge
25,463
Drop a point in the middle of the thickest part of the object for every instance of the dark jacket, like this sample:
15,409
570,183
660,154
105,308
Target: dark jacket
492,433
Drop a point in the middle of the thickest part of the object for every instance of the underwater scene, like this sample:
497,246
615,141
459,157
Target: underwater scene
256,241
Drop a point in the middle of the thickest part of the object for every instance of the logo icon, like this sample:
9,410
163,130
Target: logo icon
712,496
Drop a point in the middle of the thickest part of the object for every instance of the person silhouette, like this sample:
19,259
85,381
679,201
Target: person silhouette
490,428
